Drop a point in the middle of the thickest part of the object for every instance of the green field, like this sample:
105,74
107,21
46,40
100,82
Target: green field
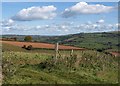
96,41
39,66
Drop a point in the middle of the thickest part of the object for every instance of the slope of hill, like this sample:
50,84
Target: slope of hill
8,47
87,67
82,67
98,41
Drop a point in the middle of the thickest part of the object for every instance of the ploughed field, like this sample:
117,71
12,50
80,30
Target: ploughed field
115,53
41,45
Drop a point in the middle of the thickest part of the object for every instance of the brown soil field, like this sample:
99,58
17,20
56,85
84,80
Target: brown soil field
41,45
115,53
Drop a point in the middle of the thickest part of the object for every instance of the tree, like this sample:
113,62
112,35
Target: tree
28,38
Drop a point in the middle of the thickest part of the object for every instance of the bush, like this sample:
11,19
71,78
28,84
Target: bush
28,38
29,47
99,50
24,46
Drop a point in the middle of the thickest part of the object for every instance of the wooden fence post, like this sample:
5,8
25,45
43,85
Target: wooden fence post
56,51
71,53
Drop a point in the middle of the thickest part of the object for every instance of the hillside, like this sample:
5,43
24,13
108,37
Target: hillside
98,41
39,66
84,67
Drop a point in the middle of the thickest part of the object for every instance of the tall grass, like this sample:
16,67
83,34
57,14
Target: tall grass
40,68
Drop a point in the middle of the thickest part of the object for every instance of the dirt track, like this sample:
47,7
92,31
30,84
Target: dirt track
41,45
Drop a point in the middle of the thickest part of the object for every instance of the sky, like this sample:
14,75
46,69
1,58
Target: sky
58,18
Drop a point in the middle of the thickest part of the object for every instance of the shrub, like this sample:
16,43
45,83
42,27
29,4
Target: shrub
29,47
99,50
24,46
28,38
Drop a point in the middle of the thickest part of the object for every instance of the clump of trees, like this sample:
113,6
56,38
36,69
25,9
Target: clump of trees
28,38
24,46
27,47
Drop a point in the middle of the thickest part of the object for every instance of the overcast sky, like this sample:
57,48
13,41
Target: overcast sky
59,18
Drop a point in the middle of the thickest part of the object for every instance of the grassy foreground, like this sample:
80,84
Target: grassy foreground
83,67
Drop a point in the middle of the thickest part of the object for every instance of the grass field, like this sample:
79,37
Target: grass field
39,66
97,41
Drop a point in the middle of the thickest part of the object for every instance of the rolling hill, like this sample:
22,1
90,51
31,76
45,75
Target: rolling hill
22,66
97,41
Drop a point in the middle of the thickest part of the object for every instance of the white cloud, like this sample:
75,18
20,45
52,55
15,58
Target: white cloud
36,13
38,27
100,21
63,29
63,26
117,25
85,8
8,22
94,25
110,25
